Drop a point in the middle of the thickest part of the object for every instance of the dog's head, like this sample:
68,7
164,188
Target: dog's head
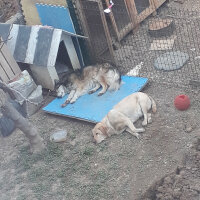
61,91
99,133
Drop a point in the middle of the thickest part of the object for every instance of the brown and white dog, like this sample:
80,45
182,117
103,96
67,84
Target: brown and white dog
123,115
90,80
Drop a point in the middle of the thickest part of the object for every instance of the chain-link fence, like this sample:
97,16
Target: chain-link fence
156,47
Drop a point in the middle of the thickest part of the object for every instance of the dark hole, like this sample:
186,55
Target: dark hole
63,62
178,171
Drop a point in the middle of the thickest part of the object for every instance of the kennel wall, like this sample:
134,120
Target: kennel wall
135,50
106,29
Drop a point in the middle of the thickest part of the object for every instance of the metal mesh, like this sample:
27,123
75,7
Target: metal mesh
134,50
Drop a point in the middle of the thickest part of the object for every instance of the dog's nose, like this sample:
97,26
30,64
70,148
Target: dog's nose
94,141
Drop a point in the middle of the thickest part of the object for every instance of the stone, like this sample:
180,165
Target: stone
73,143
188,129
168,180
59,136
171,61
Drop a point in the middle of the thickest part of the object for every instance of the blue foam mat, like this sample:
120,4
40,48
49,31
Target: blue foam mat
92,107
55,16
59,17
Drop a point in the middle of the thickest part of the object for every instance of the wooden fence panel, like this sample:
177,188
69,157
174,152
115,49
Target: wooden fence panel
8,66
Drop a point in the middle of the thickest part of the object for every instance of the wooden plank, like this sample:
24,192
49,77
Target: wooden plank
6,65
122,33
3,75
132,12
10,60
145,14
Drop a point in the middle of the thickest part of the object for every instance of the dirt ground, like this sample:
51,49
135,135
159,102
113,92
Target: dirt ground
122,167
163,164
181,184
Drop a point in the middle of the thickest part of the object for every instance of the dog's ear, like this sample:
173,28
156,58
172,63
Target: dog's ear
57,84
78,72
103,130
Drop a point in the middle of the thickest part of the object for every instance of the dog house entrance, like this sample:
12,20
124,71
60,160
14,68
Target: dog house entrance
63,62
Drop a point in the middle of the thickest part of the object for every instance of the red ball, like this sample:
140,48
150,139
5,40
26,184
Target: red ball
182,102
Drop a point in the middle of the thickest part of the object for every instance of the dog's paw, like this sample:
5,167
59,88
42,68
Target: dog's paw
140,130
63,105
138,136
91,92
144,123
100,94
149,120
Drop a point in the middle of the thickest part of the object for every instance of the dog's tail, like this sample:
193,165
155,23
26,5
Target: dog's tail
153,105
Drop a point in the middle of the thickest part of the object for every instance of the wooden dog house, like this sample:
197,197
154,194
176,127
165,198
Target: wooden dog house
48,51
